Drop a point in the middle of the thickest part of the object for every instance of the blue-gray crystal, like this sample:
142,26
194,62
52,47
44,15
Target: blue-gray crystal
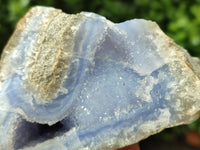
81,82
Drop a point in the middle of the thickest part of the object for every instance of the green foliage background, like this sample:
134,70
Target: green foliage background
180,19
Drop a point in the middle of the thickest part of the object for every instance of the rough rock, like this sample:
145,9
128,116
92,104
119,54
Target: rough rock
80,81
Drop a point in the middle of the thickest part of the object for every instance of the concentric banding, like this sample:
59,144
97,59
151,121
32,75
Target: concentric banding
47,67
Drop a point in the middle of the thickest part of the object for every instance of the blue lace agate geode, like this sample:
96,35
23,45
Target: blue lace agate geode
73,82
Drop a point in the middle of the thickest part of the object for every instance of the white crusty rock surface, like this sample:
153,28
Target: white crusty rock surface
82,82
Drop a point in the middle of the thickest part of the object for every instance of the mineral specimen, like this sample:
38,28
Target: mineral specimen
75,82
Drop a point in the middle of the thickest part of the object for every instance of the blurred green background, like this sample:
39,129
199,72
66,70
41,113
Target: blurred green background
180,19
